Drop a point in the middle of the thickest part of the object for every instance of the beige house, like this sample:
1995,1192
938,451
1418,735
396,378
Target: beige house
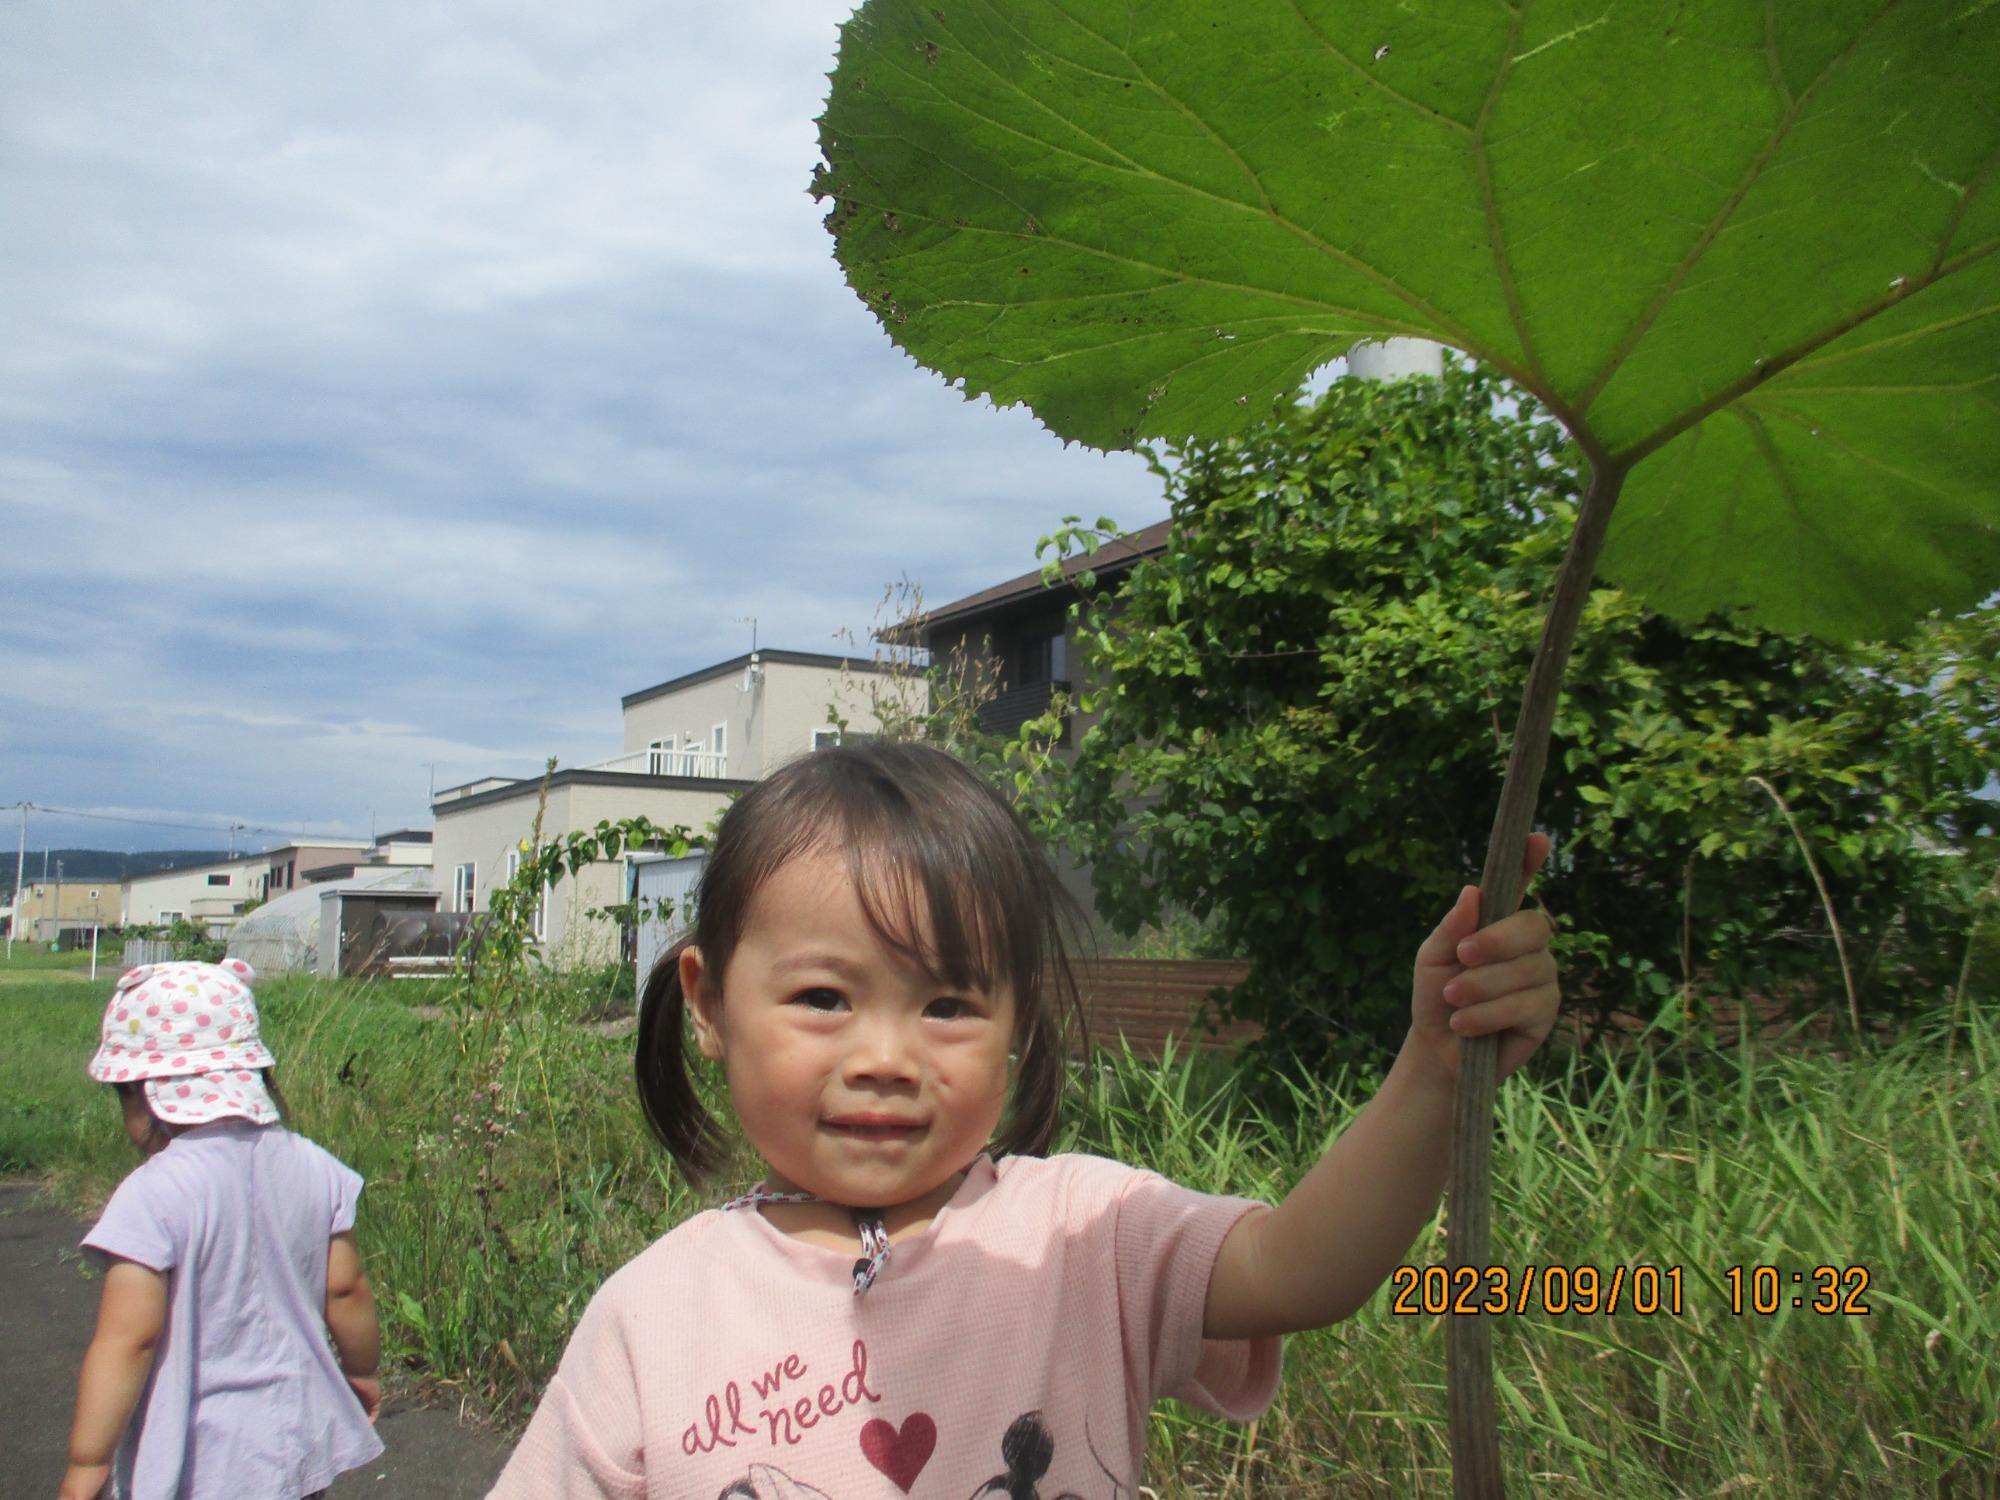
744,717
292,865
691,744
45,909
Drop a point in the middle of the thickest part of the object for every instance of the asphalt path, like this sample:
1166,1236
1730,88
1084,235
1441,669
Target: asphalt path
47,1309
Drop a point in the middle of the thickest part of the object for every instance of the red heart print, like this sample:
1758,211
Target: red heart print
900,1455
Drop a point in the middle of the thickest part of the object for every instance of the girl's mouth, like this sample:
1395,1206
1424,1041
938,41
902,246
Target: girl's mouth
874,1127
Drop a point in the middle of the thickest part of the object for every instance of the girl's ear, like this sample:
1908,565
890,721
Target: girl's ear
701,1004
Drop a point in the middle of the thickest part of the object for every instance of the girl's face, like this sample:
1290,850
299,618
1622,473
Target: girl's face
858,1076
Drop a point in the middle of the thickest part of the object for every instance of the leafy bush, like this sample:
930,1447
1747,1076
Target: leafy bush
1309,709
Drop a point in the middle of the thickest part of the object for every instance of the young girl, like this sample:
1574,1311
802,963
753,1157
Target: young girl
229,1257
912,1304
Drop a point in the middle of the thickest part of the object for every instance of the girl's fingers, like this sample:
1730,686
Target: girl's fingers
1537,851
1527,931
1532,1012
1440,949
1488,982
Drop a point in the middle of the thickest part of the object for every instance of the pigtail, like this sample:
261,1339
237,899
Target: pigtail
674,1112
1053,1029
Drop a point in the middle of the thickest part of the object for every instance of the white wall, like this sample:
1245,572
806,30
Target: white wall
189,892
696,711
485,835
770,723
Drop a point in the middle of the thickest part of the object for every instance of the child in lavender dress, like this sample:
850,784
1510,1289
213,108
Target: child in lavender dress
229,1258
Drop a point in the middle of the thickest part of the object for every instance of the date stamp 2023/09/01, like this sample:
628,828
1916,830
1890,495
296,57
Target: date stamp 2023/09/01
1761,1291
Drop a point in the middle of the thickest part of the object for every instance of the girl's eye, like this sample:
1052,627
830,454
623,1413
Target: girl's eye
949,1008
820,999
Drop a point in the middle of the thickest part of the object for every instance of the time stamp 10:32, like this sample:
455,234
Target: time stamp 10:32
1429,1291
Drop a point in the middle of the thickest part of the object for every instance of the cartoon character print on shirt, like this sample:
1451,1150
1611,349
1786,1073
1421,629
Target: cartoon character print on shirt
766,1483
1026,1449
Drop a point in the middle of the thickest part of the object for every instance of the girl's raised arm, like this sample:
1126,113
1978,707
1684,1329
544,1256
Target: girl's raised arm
130,1318
1320,1255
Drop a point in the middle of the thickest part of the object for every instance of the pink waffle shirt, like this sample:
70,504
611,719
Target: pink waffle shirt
1015,1346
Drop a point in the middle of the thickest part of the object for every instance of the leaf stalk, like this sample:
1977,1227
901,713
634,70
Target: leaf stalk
1475,1433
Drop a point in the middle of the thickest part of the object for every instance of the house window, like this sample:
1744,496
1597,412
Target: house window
93,893
464,886
718,741
825,739
1044,658
538,927
218,880
171,916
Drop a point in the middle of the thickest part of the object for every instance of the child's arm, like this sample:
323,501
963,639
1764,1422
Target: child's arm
1320,1255
350,1318
130,1318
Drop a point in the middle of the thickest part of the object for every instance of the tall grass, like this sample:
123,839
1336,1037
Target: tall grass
508,1175
1779,1158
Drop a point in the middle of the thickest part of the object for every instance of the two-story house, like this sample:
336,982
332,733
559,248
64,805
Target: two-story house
1017,637
691,743
46,909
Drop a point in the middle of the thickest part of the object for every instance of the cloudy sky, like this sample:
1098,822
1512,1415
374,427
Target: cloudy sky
387,383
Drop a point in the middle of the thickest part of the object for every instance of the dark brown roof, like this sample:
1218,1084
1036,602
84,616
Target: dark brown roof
1115,556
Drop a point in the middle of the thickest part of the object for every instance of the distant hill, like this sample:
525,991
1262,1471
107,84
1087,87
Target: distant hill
106,866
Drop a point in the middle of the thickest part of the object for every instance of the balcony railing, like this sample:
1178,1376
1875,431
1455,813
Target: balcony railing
659,762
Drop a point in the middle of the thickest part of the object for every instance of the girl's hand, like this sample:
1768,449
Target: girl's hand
1471,982
84,1481
368,1391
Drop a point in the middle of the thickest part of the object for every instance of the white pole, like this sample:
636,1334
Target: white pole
20,873
93,952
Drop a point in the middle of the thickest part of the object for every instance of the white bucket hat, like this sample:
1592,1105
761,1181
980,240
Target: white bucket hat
188,1031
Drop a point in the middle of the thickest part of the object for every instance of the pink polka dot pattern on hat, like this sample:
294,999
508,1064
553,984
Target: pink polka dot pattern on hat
203,1097
180,1019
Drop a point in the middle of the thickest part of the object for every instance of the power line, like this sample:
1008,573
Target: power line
77,812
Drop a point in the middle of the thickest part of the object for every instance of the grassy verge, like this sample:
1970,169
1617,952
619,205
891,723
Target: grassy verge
509,1174
31,962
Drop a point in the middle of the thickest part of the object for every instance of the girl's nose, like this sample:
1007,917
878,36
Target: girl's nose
884,1051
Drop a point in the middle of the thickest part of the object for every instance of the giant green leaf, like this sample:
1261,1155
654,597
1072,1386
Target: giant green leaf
1745,251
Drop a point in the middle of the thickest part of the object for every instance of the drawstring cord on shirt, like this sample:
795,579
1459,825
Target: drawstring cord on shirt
868,1223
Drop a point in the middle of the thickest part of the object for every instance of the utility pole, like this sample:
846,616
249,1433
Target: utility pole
58,905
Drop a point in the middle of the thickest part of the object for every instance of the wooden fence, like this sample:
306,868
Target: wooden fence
1147,1001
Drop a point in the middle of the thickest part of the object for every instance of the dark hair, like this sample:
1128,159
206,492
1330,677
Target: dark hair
923,835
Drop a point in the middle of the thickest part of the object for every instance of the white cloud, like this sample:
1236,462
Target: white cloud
391,383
